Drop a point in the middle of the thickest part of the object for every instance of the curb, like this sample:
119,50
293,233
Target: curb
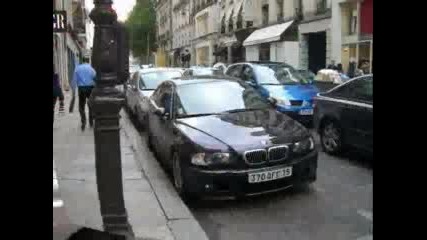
180,220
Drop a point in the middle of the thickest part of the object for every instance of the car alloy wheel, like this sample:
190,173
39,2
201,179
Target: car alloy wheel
331,138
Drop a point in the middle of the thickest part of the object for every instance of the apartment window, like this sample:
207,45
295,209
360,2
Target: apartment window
239,23
321,6
230,22
353,23
265,14
279,10
223,24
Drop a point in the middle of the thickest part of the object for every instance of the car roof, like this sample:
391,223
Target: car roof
150,70
349,81
201,79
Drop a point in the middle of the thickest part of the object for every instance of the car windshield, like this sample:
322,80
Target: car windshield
278,75
150,81
217,97
306,74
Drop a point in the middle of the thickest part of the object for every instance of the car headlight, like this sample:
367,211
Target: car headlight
304,146
283,102
205,159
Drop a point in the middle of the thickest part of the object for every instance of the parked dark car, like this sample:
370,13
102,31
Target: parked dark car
219,136
343,116
292,92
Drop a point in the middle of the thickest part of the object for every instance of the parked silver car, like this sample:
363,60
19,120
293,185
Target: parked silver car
140,87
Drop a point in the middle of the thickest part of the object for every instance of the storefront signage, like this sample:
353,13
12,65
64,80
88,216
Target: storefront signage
59,21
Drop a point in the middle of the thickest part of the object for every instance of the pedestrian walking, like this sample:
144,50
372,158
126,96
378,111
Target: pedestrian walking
83,78
57,94
340,71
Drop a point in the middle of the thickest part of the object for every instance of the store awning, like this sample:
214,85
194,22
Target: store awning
228,41
267,34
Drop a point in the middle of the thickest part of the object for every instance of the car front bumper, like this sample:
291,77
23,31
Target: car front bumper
235,182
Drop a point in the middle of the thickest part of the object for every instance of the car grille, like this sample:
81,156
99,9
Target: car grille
296,102
255,156
278,153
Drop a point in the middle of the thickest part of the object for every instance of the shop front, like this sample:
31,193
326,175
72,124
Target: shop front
357,38
278,43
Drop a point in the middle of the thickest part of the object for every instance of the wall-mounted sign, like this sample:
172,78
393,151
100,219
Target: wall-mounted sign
59,21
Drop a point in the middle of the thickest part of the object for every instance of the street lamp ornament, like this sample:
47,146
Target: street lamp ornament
106,101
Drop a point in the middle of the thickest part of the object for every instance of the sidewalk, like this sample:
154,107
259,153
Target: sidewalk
154,209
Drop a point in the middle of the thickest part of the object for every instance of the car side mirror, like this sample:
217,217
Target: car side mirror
273,101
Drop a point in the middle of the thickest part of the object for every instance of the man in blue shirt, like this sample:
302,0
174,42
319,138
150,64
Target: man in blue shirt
83,78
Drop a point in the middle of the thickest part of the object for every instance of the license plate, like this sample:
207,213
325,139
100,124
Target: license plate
269,175
306,112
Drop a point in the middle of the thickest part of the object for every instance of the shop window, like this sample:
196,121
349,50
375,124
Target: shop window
264,52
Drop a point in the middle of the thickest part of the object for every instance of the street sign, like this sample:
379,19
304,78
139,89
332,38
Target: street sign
59,21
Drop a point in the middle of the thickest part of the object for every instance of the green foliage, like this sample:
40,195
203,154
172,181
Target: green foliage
140,24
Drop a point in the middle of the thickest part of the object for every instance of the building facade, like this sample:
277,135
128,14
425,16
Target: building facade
67,46
205,16
236,23
164,54
276,37
315,35
352,35
183,30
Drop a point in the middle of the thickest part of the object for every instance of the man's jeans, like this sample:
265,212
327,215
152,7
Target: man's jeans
84,94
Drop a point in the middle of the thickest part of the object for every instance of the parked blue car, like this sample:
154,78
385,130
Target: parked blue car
282,83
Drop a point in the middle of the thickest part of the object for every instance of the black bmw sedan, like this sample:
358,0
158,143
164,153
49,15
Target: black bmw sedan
220,137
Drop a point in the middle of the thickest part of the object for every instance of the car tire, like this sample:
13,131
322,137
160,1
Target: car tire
150,142
331,137
179,180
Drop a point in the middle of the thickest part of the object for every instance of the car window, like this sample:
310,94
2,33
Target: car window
362,89
358,90
216,97
163,97
234,71
278,74
150,81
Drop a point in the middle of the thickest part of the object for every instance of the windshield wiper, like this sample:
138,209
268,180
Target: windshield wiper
196,115
272,84
242,110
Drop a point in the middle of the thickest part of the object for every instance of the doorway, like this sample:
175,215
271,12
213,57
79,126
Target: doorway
316,51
